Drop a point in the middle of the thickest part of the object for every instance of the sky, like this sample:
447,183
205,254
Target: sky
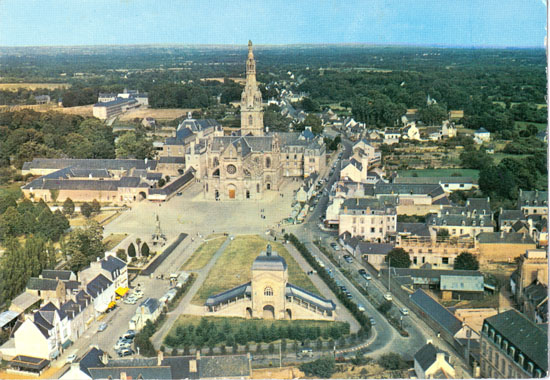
479,23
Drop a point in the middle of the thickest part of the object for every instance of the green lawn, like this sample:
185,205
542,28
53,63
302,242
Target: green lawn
234,267
204,253
473,173
12,188
113,240
501,156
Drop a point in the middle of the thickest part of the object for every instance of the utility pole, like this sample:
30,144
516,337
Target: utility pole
389,270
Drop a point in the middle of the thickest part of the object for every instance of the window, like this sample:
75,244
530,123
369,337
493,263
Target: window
268,292
372,230
267,162
250,120
530,367
445,260
258,188
521,359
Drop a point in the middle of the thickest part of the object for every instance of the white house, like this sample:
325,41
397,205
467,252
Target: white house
148,310
433,363
482,135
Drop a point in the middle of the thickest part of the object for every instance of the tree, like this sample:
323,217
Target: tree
145,250
121,254
392,361
68,207
432,115
84,245
398,258
134,145
467,261
96,207
131,250
167,178
161,182
323,367
86,209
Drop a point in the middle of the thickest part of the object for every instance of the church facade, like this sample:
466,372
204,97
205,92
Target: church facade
250,163
269,295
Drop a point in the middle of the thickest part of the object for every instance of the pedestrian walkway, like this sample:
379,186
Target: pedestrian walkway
183,306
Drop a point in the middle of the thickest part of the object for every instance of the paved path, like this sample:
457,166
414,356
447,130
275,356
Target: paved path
342,314
183,306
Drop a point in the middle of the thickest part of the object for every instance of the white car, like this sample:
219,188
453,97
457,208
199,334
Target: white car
120,345
361,307
404,311
388,297
70,359
130,301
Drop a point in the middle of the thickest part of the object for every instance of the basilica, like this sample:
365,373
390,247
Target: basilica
246,164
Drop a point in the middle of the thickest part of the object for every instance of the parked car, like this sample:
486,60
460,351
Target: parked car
102,327
372,321
335,246
70,359
121,346
404,311
366,276
362,271
388,297
130,334
179,193
348,294
361,307
125,352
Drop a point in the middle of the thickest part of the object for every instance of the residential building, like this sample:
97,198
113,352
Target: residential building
373,253
513,347
368,218
42,99
80,370
482,135
533,202
449,184
113,268
149,310
391,136
471,219
431,362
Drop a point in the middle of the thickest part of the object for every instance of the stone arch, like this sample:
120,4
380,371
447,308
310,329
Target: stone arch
248,313
268,291
268,186
142,195
268,312
216,173
288,314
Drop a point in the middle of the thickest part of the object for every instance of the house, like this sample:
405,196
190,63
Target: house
373,253
148,122
102,291
369,218
80,371
47,289
391,136
455,115
42,99
411,132
111,267
148,310
503,246
468,220
431,362
512,346
506,218
29,364
482,135
533,202
24,301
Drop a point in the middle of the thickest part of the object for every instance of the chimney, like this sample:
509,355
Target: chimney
123,376
105,358
523,236
160,358
198,354
502,234
440,356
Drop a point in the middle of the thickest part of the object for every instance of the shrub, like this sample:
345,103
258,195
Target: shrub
145,250
86,209
132,250
322,368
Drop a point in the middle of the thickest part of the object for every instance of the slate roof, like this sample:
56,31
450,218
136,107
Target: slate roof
374,249
413,229
481,130
244,289
462,283
92,358
320,302
435,180
182,134
117,101
36,283
63,275
196,125
171,160
436,311
267,260
7,316
363,203
432,190
150,304
98,285
25,300
90,173
427,355
113,265
529,338
533,198
504,238
457,220
176,184
83,163
146,373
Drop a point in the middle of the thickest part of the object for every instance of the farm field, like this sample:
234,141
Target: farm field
540,126
32,86
439,173
234,267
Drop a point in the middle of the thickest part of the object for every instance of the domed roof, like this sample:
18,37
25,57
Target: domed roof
268,260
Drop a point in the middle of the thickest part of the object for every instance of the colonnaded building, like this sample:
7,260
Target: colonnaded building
269,295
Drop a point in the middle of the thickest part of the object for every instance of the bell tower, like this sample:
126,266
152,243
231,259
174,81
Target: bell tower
252,114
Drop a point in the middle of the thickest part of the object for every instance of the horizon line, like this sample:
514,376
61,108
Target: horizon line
244,45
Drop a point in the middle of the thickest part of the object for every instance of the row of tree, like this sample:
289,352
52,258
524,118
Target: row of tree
210,333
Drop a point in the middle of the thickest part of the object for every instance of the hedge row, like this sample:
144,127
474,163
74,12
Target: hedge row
350,305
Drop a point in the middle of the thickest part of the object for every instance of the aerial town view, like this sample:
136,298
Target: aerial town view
273,190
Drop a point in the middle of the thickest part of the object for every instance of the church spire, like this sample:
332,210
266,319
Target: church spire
251,100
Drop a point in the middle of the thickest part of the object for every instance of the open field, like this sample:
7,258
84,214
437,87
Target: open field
156,113
79,110
204,253
113,240
439,173
102,217
221,80
234,267
32,86
236,323
501,156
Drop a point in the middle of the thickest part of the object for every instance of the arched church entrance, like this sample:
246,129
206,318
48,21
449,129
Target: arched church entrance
268,186
231,191
269,312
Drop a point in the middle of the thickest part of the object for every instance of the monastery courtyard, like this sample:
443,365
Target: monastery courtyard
191,213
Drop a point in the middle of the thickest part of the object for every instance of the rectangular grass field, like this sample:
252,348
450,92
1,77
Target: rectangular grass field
473,173
204,253
234,267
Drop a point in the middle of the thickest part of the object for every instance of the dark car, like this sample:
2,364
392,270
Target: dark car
362,271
